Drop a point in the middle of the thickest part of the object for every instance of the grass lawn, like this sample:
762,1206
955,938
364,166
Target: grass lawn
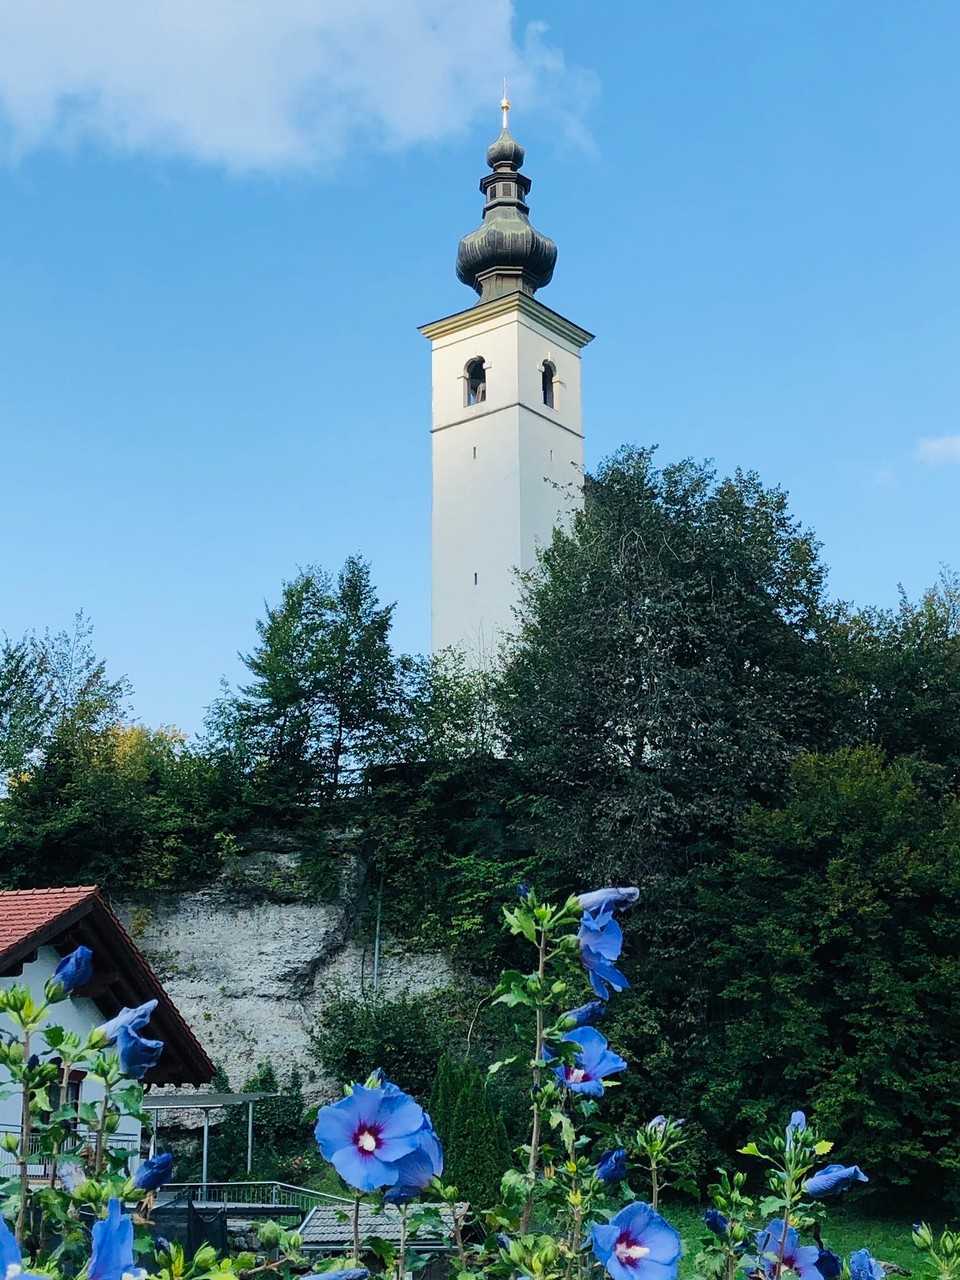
845,1230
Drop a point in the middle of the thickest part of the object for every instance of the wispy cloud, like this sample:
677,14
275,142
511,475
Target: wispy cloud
939,451
267,84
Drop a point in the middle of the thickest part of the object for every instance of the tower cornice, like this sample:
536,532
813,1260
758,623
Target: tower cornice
505,305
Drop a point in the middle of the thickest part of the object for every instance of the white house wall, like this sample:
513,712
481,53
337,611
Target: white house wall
77,1014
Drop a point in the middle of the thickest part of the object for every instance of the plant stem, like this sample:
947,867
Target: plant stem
64,1086
402,1252
534,1160
458,1236
24,1143
101,1132
574,1240
786,1227
356,1229
654,1186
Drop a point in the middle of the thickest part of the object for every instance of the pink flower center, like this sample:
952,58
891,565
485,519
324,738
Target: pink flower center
367,1139
629,1250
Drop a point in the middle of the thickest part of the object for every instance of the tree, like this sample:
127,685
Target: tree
902,668
324,696
23,702
471,1129
670,662
122,805
53,685
281,1139
668,665
834,970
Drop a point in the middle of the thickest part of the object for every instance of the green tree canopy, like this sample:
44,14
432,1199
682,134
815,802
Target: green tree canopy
902,668
54,685
122,805
668,665
835,966
324,694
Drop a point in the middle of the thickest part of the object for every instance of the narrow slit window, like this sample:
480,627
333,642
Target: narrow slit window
476,381
474,451
474,579
548,376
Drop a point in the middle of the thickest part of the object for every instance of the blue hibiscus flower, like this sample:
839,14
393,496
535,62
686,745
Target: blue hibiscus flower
154,1173
111,1256
612,1167
418,1168
716,1221
367,1133
834,1180
585,1014
594,1062
602,903
637,1244
137,1055
74,970
864,1267
601,941
796,1257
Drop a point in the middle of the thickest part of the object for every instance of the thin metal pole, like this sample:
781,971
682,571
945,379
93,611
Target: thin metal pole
206,1149
249,1137
376,942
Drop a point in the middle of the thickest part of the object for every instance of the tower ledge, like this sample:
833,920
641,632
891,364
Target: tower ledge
505,305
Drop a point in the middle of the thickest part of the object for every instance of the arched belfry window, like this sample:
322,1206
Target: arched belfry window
476,381
548,373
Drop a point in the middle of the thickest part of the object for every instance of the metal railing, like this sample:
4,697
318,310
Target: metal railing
253,1195
38,1165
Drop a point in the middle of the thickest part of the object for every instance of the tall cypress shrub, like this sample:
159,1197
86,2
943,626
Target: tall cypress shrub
472,1131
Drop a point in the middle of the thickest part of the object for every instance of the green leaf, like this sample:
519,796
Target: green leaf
494,1067
560,1120
771,1205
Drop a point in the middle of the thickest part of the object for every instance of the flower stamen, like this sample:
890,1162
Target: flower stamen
366,1141
628,1252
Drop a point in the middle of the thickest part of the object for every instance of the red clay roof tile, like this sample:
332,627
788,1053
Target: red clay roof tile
24,912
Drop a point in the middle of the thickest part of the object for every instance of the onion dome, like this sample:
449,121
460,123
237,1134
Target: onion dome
506,254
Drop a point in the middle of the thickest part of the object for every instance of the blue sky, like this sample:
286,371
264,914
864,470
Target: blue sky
220,226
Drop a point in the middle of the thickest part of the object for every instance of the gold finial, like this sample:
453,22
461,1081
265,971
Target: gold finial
505,104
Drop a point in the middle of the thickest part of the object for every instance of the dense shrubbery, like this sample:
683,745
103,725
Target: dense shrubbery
683,708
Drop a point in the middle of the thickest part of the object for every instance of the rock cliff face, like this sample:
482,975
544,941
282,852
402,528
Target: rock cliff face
252,975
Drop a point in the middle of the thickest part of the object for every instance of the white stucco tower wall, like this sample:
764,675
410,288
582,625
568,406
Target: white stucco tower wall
508,468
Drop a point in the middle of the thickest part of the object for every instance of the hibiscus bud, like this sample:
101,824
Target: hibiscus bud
948,1244
10,1142
922,1236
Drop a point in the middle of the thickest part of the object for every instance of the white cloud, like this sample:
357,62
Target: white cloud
939,450
267,84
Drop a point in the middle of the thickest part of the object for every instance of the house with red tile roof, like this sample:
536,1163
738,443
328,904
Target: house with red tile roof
40,926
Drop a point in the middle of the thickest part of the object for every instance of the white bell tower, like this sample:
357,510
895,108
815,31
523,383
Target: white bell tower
507,418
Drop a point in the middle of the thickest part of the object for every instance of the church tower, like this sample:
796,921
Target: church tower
507,422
